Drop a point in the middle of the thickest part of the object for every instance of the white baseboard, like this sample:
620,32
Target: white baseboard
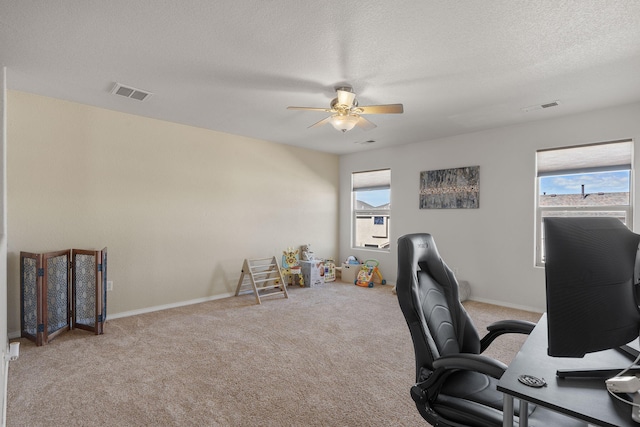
167,306
16,334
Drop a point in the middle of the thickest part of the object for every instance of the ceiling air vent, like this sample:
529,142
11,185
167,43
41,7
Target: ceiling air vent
541,106
551,104
130,92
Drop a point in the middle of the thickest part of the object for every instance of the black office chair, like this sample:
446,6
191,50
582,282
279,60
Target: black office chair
455,384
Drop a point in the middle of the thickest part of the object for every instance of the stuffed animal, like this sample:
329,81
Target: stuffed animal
307,253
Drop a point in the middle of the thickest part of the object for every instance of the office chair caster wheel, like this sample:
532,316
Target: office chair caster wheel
384,282
371,284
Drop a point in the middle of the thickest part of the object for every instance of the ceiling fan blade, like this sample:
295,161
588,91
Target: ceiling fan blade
326,110
321,122
381,109
345,97
365,124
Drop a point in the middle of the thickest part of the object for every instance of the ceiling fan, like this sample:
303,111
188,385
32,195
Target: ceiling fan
346,113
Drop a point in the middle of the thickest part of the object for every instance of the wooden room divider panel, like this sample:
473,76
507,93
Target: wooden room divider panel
62,290
103,318
30,296
56,288
89,289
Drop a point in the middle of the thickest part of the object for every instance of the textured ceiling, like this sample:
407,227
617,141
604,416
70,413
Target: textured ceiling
234,66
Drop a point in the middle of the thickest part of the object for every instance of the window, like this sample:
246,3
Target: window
371,208
586,180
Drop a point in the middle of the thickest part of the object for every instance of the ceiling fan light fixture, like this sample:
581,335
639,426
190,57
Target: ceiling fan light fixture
346,113
344,123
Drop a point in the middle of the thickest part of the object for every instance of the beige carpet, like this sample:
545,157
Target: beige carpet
337,355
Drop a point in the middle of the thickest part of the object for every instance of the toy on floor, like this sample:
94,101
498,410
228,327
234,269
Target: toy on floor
291,266
367,272
307,253
329,271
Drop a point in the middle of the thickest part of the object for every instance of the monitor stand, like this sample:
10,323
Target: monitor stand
606,373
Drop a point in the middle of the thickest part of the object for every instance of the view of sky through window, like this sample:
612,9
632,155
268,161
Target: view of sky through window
596,182
375,198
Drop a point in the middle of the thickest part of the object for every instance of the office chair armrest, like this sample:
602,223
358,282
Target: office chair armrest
471,362
505,327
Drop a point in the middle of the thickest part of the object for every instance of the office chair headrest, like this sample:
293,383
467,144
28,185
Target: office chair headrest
418,251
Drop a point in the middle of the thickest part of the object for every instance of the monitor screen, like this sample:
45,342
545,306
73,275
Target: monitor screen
591,270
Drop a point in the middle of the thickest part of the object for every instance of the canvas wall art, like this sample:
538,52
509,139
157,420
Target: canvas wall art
457,188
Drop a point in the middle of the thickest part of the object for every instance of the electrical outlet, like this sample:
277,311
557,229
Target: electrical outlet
109,286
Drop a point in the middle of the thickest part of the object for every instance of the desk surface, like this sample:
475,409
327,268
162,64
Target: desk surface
586,399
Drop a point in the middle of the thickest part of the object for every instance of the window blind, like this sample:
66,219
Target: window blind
601,157
371,180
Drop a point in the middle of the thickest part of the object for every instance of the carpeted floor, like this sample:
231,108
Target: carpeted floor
336,355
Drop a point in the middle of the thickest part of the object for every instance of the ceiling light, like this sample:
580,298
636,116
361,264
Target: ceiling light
344,122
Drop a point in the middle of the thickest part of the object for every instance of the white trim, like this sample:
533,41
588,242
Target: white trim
120,315
4,342
166,306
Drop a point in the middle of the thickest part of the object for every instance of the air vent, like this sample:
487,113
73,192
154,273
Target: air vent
130,92
541,106
551,104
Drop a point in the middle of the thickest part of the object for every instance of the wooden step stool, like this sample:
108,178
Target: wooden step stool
261,276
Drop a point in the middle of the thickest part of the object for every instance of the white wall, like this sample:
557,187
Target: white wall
492,247
178,207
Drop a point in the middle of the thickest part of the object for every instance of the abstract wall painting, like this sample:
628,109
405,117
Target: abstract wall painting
457,188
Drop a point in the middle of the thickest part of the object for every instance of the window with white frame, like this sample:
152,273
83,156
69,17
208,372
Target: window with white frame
371,209
585,180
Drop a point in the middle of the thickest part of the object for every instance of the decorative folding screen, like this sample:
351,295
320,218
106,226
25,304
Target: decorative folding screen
61,291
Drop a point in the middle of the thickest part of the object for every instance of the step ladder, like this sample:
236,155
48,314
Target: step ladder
261,276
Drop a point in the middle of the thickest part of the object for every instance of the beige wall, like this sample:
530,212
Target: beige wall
178,207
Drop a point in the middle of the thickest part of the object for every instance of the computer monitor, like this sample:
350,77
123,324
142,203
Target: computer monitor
592,272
